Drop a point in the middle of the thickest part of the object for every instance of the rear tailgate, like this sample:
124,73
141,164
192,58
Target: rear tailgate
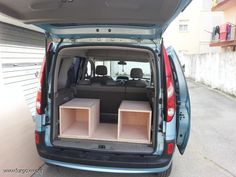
103,18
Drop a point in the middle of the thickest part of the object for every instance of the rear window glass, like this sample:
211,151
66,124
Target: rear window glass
114,69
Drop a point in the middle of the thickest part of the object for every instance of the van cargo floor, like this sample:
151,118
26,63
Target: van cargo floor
108,146
105,131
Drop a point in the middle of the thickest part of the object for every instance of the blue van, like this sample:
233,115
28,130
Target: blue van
107,101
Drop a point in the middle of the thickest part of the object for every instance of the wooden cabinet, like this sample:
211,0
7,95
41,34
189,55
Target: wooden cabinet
79,119
134,123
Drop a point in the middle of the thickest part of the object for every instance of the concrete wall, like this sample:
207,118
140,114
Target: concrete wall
217,70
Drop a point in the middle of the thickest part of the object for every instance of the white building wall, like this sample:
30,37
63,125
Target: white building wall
201,21
216,70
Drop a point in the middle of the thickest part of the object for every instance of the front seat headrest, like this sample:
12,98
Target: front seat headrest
101,70
136,73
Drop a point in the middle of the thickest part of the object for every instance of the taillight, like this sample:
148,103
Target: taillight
170,101
39,98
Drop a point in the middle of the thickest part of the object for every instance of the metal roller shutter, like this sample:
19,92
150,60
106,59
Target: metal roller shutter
21,52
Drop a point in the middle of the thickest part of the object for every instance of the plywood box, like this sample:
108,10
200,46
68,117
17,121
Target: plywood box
79,118
134,122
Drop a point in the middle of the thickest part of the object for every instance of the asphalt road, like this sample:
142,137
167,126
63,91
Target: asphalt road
211,151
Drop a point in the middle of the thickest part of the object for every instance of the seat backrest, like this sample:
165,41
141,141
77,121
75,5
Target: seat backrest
136,74
136,93
101,72
110,96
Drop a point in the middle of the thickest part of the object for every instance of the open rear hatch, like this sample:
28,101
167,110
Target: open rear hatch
76,19
90,18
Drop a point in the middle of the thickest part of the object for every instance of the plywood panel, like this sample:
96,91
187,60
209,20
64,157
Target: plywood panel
135,118
134,133
67,117
79,103
138,106
94,117
82,115
76,130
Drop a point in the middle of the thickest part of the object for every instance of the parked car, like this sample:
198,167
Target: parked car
107,101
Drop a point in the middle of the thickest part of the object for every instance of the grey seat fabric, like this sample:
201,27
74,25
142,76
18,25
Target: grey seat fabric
102,78
110,98
136,93
136,74
84,82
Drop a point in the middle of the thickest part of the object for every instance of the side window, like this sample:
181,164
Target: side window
88,73
72,73
183,26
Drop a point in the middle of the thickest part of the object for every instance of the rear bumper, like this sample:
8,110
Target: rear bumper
107,169
103,161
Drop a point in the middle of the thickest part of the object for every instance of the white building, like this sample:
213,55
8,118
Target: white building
190,32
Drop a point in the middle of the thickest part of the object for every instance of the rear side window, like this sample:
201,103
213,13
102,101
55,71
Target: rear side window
73,72
68,72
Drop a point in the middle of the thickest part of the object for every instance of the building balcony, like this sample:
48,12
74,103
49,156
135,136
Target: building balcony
231,43
222,5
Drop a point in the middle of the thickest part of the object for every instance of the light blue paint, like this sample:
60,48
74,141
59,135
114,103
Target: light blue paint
38,123
183,106
107,169
160,144
171,129
47,136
